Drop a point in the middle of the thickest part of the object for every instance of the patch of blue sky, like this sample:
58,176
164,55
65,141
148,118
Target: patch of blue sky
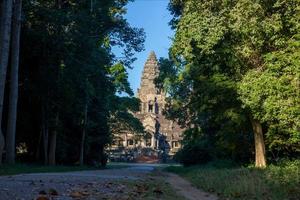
153,16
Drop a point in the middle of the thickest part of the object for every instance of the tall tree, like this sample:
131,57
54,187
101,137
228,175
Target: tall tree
75,43
83,136
14,83
4,55
218,47
53,142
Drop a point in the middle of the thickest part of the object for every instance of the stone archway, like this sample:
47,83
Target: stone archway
150,137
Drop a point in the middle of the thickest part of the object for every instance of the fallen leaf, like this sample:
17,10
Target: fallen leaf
42,197
79,194
53,192
84,193
76,195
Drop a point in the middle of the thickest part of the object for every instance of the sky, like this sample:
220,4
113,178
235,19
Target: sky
153,17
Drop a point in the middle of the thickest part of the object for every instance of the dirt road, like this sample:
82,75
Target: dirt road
137,181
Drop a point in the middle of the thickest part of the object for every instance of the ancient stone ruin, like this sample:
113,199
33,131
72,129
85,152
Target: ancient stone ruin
163,137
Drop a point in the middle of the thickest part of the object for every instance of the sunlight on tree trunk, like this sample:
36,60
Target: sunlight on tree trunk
4,54
260,155
13,95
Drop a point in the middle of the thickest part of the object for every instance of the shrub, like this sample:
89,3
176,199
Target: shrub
193,154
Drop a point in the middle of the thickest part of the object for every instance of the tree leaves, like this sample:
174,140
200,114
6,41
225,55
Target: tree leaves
68,65
239,58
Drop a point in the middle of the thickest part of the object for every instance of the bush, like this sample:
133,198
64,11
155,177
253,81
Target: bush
193,154
222,164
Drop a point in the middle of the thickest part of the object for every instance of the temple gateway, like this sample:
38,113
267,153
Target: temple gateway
163,137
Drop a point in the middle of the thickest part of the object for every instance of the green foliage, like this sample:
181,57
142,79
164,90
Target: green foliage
122,118
273,97
119,73
231,61
192,154
67,65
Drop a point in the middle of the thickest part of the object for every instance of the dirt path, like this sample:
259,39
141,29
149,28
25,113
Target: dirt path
132,183
98,184
186,189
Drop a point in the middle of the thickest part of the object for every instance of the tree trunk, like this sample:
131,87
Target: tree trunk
46,140
59,4
45,134
1,146
14,82
37,154
83,135
260,152
1,18
4,54
52,148
52,144
92,6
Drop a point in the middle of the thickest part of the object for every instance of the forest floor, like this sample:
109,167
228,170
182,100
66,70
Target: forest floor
139,181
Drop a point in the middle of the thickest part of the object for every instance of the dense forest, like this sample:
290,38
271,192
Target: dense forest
233,78
60,80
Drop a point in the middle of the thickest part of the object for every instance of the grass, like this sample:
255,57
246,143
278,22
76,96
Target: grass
32,168
281,182
35,168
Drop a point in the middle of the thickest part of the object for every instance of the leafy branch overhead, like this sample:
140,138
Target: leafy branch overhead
122,118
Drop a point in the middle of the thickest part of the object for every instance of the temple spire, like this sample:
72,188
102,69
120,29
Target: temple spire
150,72
152,56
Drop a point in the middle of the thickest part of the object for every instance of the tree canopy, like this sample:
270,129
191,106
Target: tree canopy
233,64
70,78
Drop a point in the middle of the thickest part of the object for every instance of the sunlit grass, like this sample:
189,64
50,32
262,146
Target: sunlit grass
273,183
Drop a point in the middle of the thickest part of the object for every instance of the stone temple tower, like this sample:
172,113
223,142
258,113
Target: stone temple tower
152,100
165,134
163,137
